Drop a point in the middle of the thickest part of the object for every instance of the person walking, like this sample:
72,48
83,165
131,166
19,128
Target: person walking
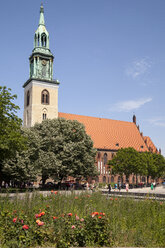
127,187
154,184
115,186
119,186
109,188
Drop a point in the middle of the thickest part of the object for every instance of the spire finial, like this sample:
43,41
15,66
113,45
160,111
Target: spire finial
42,8
42,21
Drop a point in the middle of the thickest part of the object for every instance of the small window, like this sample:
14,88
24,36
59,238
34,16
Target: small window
105,158
44,116
117,144
45,97
104,179
43,40
98,155
112,179
28,98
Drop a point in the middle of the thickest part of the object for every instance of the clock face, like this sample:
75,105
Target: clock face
43,62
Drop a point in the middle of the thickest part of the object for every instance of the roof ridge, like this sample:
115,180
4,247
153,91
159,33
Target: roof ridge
96,117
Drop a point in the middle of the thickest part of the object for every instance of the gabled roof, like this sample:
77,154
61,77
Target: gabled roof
150,144
110,134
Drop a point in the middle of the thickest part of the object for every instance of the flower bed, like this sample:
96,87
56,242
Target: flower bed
81,220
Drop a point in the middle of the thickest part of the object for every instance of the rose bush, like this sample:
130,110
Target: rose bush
77,221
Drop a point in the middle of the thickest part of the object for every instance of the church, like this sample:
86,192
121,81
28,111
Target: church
41,102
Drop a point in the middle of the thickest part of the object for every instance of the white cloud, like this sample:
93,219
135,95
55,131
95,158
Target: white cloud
138,68
130,105
158,121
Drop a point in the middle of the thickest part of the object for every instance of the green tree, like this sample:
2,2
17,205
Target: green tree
59,148
159,162
22,168
126,162
66,149
11,139
155,164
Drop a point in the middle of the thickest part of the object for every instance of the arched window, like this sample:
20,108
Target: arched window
105,158
104,179
45,97
35,40
98,155
43,40
112,179
28,98
38,40
44,116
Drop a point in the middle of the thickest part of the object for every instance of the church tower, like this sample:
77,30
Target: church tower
40,90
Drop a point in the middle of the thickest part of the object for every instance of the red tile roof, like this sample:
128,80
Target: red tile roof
110,134
150,144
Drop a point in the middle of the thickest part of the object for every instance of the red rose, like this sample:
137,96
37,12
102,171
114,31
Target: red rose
25,227
14,220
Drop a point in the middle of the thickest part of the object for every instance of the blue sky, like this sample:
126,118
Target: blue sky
109,57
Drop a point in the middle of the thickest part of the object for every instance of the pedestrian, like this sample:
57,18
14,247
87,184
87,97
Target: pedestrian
119,186
115,186
152,186
127,187
109,188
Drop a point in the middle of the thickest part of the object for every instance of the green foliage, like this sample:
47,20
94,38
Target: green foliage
21,168
155,164
11,139
128,161
85,220
55,148
63,149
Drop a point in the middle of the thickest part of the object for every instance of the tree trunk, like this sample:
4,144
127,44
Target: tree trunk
147,179
136,179
43,181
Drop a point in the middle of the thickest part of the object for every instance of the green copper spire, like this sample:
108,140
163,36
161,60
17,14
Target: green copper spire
42,21
41,38
41,60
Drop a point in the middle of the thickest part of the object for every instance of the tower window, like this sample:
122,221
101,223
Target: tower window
43,40
45,97
28,98
44,116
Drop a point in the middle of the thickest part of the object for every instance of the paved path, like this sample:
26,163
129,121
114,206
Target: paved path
147,190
